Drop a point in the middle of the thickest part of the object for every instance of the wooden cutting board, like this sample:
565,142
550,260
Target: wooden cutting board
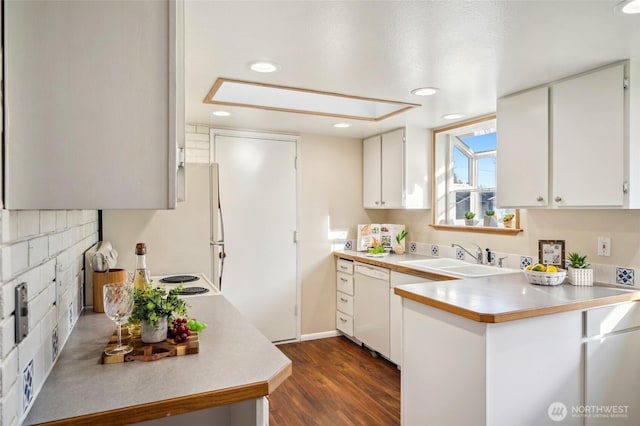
148,351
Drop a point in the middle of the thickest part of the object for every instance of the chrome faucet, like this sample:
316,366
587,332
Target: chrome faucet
479,258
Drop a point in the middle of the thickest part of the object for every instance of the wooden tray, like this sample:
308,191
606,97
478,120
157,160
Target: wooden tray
149,351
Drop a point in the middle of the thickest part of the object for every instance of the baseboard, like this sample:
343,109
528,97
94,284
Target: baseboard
322,335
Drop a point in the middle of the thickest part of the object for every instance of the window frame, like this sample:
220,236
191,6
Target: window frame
446,182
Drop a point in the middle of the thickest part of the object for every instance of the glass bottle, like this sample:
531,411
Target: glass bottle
140,280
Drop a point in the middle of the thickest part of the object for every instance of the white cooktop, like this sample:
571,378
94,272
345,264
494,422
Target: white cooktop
202,281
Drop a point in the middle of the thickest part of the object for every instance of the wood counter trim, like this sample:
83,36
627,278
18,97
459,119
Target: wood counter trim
181,405
395,267
516,315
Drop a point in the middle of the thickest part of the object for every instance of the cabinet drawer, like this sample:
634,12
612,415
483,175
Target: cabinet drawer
345,283
612,318
344,323
344,303
345,266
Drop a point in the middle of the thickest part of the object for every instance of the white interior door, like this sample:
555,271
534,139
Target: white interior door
257,184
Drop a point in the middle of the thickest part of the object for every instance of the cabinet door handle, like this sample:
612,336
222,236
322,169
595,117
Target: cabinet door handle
558,199
344,268
377,202
342,319
539,198
343,300
384,202
344,280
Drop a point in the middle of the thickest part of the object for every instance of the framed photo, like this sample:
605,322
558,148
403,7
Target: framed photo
551,252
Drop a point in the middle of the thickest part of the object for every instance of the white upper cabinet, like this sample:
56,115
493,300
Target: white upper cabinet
523,149
94,104
395,172
571,143
588,139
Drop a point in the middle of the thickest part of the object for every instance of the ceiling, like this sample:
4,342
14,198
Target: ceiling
473,51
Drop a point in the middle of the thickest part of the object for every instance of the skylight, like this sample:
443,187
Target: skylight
305,101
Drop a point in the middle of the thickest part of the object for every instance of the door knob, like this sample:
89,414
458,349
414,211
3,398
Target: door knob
539,198
558,199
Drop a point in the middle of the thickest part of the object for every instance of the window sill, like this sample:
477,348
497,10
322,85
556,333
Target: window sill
478,229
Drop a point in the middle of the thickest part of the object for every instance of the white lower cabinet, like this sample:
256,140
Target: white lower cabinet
612,370
395,314
344,296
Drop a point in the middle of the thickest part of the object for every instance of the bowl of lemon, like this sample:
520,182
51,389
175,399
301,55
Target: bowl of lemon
544,275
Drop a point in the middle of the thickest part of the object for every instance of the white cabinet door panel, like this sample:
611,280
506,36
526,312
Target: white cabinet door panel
611,380
392,188
371,177
588,140
523,149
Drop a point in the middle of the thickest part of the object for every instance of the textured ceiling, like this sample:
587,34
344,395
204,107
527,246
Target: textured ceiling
474,51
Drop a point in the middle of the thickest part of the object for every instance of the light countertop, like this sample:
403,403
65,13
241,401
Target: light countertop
496,298
236,363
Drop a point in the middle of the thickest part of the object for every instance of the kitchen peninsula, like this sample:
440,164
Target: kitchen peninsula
225,384
498,350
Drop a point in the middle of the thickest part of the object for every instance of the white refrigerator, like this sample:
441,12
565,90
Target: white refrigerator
237,227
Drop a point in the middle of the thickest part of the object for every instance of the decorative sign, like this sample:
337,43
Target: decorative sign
551,252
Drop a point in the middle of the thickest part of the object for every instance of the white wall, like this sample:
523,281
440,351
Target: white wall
45,250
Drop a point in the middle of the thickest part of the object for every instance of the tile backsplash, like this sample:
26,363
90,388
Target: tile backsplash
44,249
604,274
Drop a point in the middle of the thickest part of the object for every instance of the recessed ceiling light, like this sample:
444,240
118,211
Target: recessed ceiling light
221,113
452,116
263,66
342,125
629,7
425,91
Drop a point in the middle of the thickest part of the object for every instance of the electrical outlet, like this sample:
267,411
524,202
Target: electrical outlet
604,246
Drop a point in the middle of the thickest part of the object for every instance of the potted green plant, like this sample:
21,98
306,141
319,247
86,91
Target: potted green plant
399,248
468,218
507,220
579,271
152,308
490,218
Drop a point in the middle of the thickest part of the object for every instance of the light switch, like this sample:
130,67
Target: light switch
22,312
604,246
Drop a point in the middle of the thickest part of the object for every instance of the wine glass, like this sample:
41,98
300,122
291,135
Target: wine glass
118,304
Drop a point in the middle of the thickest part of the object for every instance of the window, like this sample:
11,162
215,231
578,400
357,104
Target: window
465,178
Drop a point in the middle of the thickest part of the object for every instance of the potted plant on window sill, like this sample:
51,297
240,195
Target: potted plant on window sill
468,218
152,308
490,219
579,271
507,220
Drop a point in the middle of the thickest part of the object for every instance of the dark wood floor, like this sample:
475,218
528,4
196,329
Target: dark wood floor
336,382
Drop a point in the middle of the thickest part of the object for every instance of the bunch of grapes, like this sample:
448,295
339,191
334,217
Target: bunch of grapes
179,330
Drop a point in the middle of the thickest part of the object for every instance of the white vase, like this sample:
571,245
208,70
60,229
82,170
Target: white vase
151,334
399,249
577,276
490,221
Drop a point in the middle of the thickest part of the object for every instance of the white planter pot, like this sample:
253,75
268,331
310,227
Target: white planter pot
151,334
490,221
580,276
469,222
399,249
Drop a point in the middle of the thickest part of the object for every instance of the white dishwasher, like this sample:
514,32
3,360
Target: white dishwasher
371,307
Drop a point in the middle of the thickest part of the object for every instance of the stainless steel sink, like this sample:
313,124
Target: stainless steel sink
457,268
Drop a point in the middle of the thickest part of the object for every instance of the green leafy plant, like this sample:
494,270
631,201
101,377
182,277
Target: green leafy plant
469,215
508,217
578,261
154,303
401,236
489,213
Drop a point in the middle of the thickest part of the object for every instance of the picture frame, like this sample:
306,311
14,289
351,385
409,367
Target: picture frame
551,252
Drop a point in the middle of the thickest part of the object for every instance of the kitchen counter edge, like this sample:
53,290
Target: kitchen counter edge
390,262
